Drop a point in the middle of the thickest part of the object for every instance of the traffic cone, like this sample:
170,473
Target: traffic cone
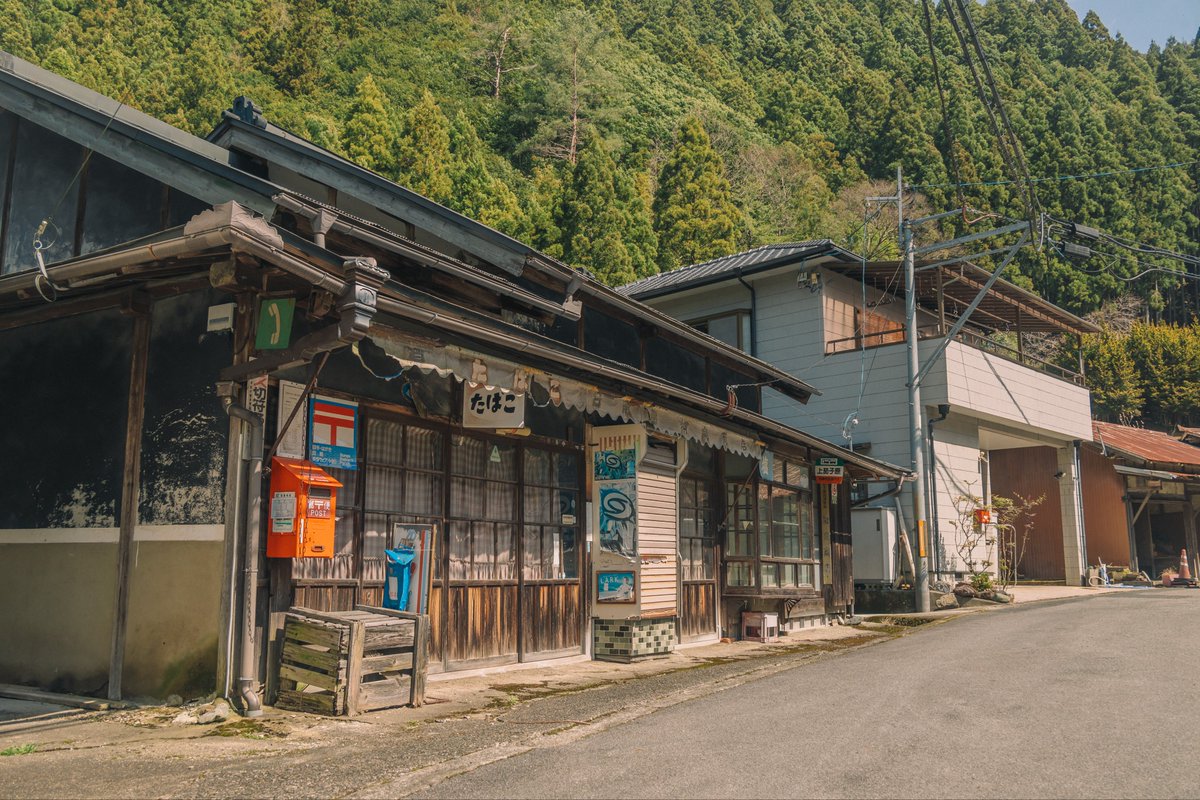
1184,572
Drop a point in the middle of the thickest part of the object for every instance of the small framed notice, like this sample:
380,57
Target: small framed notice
616,587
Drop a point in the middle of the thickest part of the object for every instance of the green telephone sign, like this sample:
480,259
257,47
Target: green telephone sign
275,323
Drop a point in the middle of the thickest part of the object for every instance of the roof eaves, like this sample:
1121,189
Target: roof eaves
113,116
824,247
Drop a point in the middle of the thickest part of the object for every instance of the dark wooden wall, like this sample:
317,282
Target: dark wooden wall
1029,472
1104,515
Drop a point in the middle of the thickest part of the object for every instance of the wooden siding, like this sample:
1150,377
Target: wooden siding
697,615
1029,472
1104,516
482,623
550,617
658,539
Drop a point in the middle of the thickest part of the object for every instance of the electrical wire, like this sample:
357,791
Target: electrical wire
43,275
1063,178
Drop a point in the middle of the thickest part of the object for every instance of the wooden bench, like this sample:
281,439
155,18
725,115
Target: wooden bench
348,662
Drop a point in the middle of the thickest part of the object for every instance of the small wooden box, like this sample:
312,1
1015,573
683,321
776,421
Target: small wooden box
760,626
346,662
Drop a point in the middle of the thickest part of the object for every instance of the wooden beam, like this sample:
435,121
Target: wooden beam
344,179
130,486
199,180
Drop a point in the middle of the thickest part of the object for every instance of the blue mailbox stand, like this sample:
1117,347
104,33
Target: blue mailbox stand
395,587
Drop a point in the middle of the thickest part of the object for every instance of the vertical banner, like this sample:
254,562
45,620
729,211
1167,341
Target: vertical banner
333,433
291,441
420,540
257,390
615,474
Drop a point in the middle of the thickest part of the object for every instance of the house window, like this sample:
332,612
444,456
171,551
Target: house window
696,538
733,328
771,545
848,326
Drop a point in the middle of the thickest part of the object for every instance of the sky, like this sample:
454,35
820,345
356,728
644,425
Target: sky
1143,21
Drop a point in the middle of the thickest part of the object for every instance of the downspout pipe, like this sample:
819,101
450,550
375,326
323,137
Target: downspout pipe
753,313
251,702
934,530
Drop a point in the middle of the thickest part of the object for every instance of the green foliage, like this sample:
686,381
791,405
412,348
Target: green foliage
1150,374
370,132
694,212
1113,377
423,150
806,103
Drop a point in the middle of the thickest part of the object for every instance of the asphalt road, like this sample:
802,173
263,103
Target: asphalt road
1094,698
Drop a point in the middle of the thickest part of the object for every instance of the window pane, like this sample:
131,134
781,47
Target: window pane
741,522
541,505
384,441
567,500
460,550
424,449
422,493
709,571
726,329
501,462
483,561
376,537
533,553
785,524
764,515
506,553
537,467
568,469
383,489
501,501
770,577
466,498
739,573
807,548
570,553
469,456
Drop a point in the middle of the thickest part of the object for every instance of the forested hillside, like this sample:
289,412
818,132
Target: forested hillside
630,136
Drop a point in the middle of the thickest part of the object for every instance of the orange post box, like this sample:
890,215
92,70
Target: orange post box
303,510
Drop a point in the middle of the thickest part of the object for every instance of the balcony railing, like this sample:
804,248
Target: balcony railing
896,336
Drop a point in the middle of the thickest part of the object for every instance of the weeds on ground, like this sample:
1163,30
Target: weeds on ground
247,729
18,750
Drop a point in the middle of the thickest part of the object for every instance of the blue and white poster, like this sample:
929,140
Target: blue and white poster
615,465
333,433
618,516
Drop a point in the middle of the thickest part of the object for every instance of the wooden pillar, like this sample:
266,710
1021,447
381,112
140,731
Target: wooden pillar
130,495
1189,531
1020,339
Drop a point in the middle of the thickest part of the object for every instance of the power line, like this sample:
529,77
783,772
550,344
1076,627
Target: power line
1060,178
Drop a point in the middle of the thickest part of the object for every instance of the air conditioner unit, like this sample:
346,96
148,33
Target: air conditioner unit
873,532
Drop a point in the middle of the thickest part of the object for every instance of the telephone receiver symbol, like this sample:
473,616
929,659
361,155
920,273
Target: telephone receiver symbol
274,312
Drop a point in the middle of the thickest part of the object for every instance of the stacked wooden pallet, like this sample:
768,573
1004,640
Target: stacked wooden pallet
347,662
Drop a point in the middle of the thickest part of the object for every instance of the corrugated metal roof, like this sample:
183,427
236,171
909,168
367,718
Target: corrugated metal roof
717,268
1145,445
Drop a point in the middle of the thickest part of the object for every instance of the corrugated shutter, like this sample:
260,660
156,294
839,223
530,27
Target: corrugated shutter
658,536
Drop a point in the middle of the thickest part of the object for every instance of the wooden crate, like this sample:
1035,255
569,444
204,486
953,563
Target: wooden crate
347,662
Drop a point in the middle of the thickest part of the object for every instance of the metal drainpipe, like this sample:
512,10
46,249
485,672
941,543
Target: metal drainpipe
1079,504
753,314
246,681
935,534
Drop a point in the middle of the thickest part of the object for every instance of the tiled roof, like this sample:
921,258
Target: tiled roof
1145,445
716,269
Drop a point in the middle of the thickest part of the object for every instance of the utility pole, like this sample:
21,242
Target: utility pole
916,412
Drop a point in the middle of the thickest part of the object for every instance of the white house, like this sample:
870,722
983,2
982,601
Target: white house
824,315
